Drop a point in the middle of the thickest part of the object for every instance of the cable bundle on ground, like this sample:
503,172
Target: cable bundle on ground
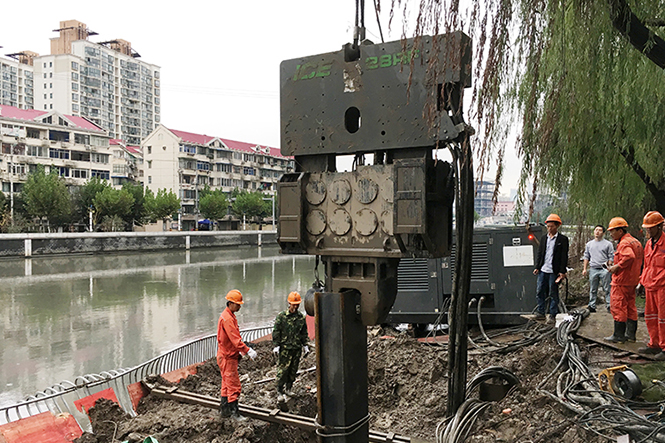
457,428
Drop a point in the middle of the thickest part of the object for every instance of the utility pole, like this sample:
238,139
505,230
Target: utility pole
11,186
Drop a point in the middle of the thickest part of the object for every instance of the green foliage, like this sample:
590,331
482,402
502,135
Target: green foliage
138,213
112,223
163,205
213,205
113,203
46,195
250,204
586,95
85,196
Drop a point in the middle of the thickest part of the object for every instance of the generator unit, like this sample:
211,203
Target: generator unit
503,261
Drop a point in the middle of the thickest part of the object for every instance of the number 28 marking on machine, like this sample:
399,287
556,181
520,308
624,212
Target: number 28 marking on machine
388,60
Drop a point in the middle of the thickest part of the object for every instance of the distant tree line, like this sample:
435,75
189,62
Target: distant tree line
45,203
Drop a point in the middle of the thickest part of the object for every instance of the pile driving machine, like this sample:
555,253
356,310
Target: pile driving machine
398,101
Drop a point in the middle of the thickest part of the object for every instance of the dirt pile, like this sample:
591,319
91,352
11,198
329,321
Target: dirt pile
407,392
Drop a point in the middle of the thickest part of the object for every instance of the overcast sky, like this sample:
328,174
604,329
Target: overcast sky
219,59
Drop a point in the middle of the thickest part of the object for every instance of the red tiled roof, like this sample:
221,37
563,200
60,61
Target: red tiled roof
119,142
201,139
34,114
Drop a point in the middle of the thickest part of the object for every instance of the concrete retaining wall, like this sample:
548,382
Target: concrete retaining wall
30,245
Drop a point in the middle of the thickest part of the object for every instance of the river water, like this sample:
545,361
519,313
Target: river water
73,315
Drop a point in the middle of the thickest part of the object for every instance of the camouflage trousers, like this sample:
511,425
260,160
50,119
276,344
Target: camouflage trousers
287,367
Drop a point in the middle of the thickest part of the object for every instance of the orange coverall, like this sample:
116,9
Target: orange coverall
628,257
229,347
653,280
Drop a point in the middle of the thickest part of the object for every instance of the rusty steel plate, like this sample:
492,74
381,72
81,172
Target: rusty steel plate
315,223
340,222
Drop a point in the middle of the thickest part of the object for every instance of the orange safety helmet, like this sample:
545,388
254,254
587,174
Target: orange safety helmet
554,218
234,296
617,222
294,298
652,218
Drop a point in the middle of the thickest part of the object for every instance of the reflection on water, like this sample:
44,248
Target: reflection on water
73,315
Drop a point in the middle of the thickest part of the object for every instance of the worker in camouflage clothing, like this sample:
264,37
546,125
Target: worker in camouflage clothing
290,338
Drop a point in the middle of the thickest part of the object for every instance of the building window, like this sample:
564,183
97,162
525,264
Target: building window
104,175
79,173
75,76
149,149
45,75
75,86
149,164
75,66
50,85
44,96
50,64
50,74
51,95
44,64
51,106
149,179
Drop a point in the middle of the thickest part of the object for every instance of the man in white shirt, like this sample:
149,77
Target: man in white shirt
598,254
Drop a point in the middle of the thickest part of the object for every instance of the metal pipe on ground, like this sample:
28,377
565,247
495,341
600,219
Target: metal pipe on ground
269,415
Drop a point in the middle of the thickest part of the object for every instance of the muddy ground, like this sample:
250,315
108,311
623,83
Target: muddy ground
408,385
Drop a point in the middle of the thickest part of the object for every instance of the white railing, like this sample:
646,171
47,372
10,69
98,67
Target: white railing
61,397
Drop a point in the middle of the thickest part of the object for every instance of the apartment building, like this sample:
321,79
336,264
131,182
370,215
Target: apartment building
185,163
73,146
125,164
105,82
16,80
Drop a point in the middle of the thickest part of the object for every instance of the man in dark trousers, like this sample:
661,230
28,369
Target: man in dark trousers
550,268
290,337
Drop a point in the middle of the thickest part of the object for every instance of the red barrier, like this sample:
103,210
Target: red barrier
88,402
42,428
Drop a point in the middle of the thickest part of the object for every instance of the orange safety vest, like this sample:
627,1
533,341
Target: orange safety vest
628,257
229,343
653,275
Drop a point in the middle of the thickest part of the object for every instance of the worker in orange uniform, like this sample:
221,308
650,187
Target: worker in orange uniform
229,348
625,277
653,280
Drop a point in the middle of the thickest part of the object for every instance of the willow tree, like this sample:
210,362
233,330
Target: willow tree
566,76
592,111
581,84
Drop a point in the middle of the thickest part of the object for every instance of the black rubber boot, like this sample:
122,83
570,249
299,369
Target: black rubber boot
235,414
631,330
619,335
224,410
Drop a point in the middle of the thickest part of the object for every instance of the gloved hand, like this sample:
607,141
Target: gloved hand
305,350
275,349
251,353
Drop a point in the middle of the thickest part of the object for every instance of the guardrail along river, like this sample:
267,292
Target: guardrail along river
65,316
